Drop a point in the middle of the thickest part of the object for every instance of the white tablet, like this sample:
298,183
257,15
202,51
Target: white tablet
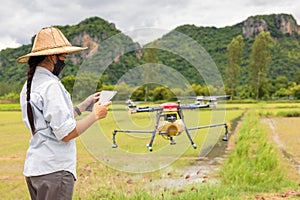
106,95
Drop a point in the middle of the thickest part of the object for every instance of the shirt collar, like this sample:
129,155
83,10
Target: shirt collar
43,70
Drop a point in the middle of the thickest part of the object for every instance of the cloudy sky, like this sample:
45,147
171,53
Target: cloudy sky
21,19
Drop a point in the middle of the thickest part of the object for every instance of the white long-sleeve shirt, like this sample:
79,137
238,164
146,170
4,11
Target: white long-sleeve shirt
54,119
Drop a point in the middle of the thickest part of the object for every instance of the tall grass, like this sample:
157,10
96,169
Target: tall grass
253,165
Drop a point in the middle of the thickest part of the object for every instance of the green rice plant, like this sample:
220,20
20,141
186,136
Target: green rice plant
253,164
279,112
9,107
292,113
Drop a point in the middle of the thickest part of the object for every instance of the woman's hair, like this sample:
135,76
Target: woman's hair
32,64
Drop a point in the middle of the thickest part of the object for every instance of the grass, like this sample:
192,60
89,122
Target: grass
10,107
250,169
14,142
253,164
253,167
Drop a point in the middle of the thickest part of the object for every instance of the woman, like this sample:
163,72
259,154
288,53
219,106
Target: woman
47,110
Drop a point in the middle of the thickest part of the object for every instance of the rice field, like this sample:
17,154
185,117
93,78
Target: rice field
105,174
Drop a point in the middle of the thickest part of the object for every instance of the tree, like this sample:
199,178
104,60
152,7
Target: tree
295,90
280,87
162,93
259,61
68,82
297,77
234,52
123,91
150,56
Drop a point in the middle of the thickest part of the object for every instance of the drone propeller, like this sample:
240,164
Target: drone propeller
210,98
207,98
194,106
168,106
146,109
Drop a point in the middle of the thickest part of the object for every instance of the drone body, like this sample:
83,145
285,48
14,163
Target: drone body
211,100
169,122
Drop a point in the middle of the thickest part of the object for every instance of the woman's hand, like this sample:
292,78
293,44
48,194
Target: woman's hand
88,103
90,100
100,110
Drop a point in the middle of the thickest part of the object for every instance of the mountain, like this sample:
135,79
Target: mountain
124,53
90,32
282,27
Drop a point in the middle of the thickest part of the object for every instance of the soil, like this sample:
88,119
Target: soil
286,141
203,169
290,194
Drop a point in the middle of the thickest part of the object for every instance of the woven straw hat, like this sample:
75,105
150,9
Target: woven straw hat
50,41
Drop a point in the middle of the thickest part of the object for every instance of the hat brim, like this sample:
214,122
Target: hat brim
47,52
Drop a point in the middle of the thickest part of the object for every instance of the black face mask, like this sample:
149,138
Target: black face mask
58,67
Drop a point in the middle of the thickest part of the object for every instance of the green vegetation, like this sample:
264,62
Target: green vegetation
234,52
259,64
10,107
253,166
281,81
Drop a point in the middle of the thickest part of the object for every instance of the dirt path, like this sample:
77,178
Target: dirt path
284,134
291,194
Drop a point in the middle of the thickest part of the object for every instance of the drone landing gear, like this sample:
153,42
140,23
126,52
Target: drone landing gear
114,145
149,146
180,113
172,141
225,137
190,138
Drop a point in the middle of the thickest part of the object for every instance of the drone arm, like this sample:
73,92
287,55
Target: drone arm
193,106
208,126
225,137
146,109
114,145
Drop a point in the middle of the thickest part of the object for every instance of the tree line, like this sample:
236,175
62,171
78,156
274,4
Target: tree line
248,66
259,86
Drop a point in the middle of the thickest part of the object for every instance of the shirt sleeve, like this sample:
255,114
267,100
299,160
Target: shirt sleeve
58,110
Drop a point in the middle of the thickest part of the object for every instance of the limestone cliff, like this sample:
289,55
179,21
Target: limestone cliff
277,24
253,26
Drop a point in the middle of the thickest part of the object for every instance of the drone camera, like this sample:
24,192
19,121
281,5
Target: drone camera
171,117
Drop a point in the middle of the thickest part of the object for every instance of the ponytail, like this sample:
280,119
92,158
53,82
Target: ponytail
32,64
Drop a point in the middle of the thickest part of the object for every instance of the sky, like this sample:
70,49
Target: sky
21,19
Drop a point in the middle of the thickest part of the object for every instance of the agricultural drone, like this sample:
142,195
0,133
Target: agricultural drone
211,100
169,122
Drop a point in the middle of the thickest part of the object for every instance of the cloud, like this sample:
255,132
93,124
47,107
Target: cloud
22,19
